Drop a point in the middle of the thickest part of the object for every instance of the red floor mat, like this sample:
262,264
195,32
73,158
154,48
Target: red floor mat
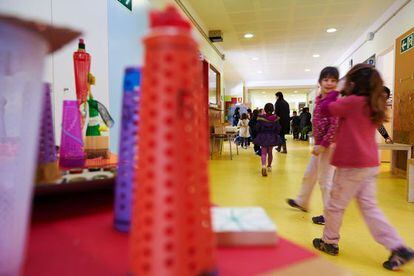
80,241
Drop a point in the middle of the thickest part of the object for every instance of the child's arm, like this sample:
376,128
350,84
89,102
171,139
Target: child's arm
340,108
257,127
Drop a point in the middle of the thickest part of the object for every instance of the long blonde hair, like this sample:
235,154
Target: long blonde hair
365,80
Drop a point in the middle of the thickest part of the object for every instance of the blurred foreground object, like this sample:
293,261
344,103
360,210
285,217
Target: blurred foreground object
23,48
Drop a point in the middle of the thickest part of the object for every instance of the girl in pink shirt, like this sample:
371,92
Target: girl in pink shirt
356,161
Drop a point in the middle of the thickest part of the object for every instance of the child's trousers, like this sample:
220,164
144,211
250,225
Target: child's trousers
359,183
319,170
267,151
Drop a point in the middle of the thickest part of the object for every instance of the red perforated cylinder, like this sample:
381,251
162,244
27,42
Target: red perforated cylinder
170,232
205,240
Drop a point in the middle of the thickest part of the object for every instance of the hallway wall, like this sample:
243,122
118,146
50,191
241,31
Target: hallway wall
401,128
384,39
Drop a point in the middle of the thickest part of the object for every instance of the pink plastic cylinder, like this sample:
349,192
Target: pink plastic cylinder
71,145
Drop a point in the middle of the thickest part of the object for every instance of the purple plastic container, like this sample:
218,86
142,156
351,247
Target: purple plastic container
127,150
71,145
47,146
3,103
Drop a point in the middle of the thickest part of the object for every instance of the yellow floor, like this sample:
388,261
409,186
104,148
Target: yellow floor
238,182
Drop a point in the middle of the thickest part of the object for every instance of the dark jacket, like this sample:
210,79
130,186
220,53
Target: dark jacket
305,120
236,118
282,111
267,130
295,120
252,126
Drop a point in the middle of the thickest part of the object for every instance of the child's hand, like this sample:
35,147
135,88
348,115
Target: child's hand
389,141
318,150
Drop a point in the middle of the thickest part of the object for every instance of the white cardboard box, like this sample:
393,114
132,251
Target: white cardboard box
243,226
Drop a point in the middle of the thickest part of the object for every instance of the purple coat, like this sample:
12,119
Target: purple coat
267,129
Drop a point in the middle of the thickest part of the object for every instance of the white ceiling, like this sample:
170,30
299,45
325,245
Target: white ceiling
285,91
286,34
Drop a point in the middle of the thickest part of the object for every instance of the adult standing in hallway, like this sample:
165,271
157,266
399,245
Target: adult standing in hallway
282,110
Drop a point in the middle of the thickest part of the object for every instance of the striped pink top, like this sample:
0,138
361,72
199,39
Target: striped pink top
324,124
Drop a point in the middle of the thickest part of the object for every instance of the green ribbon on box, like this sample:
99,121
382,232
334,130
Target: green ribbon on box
126,3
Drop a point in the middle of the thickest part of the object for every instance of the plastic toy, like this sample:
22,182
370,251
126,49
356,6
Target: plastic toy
171,224
127,150
47,167
71,145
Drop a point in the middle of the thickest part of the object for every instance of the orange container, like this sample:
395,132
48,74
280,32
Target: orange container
171,231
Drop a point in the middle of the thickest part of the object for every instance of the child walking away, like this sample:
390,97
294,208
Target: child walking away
252,128
267,130
236,116
319,168
356,159
244,130
295,122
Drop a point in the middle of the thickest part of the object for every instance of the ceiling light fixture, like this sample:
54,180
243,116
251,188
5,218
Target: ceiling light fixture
331,30
263,92
307,70
316,55
296,91
255,58
248,35
259,72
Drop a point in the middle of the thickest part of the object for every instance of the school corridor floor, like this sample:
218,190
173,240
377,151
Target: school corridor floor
238,182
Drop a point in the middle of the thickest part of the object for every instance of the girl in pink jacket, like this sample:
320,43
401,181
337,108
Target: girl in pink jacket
324,127
356,161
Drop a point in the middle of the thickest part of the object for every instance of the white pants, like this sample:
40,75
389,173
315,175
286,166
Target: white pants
319,170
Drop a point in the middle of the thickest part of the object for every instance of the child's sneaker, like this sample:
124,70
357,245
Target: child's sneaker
264,171
269,169
319,220
398,258
292,203
331,249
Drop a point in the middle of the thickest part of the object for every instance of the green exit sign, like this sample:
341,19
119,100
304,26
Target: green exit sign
126,3
407,43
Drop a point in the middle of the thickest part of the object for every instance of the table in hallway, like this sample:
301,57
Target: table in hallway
401,147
